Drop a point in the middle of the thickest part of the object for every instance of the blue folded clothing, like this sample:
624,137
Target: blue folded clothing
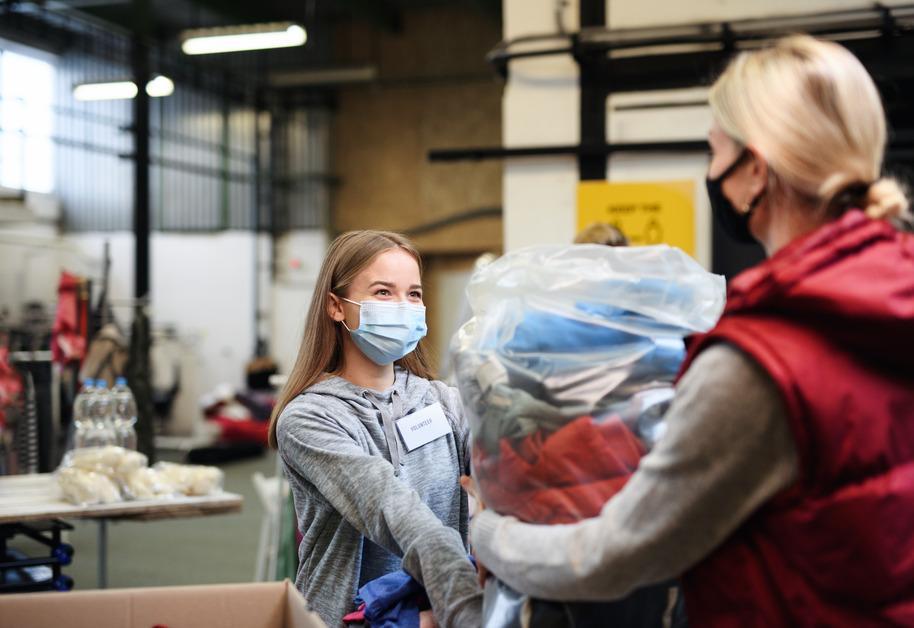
579,360
392,601
542,332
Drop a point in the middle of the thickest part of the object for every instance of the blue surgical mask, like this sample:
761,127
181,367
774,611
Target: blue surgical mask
388,330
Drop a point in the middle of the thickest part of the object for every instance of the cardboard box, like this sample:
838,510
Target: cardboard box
258,605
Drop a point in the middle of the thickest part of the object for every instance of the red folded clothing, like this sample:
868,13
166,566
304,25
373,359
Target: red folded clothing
356,617
561,477
241,431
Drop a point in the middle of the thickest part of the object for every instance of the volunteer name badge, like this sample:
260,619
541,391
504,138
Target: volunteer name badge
423,426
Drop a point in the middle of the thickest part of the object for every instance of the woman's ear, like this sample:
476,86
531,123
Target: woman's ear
335,308
757,172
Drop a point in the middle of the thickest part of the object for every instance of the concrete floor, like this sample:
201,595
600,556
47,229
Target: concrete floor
202,550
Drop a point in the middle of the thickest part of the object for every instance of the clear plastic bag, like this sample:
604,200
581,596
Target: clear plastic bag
567,369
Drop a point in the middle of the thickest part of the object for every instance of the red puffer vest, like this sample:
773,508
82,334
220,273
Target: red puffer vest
831,320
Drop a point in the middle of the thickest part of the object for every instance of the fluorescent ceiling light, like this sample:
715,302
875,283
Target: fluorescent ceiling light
120,90
160,86
239,38
123,90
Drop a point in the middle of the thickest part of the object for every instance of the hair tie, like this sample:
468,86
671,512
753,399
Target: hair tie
850,196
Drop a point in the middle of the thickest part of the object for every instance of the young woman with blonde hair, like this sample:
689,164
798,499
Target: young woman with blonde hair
783,489
374,448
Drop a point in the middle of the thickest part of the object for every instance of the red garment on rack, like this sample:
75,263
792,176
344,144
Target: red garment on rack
10,384
69,336
561,477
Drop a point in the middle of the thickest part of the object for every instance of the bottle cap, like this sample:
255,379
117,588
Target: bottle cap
120,381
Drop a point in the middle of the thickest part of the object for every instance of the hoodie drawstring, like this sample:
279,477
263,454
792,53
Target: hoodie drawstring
388,424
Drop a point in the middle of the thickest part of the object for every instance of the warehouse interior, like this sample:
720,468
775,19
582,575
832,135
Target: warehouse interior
165,212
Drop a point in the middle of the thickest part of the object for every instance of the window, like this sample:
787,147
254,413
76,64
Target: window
26,122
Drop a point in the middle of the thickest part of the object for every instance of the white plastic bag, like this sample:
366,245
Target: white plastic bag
93,475
86,488
148,483
567,369
115,462
191,479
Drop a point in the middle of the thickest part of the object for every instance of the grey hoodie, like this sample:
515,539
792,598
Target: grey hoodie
358,513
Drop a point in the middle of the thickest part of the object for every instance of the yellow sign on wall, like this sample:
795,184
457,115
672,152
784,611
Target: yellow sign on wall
647,213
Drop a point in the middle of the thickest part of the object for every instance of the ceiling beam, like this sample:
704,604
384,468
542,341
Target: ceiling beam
378,12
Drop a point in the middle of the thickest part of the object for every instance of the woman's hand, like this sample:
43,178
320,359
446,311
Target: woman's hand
469,485
427,619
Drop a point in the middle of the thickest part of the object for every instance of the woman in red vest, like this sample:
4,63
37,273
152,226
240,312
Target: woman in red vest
783,490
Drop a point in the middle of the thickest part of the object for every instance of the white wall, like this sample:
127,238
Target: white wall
627,123
203,285
298,258
90,247
540,108
30,265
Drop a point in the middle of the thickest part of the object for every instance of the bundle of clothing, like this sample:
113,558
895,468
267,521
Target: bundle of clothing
564,410
567,369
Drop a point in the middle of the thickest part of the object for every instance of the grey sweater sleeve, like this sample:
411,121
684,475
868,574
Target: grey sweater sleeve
727,450
364,490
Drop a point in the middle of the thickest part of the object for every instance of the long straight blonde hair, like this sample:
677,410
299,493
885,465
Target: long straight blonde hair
814,113
321,350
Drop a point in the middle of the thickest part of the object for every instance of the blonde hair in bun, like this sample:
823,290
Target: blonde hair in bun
813,111
885,200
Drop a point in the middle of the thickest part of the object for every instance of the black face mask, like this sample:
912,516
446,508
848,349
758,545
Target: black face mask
734,223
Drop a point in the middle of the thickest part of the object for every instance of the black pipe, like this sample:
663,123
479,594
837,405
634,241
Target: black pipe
880,18
141,205
587,150
471,214
593,94
260,342
901,149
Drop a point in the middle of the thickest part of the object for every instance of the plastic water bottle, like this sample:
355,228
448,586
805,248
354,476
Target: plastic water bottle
124,414
82,414
102,433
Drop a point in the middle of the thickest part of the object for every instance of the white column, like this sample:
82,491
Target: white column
540,108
